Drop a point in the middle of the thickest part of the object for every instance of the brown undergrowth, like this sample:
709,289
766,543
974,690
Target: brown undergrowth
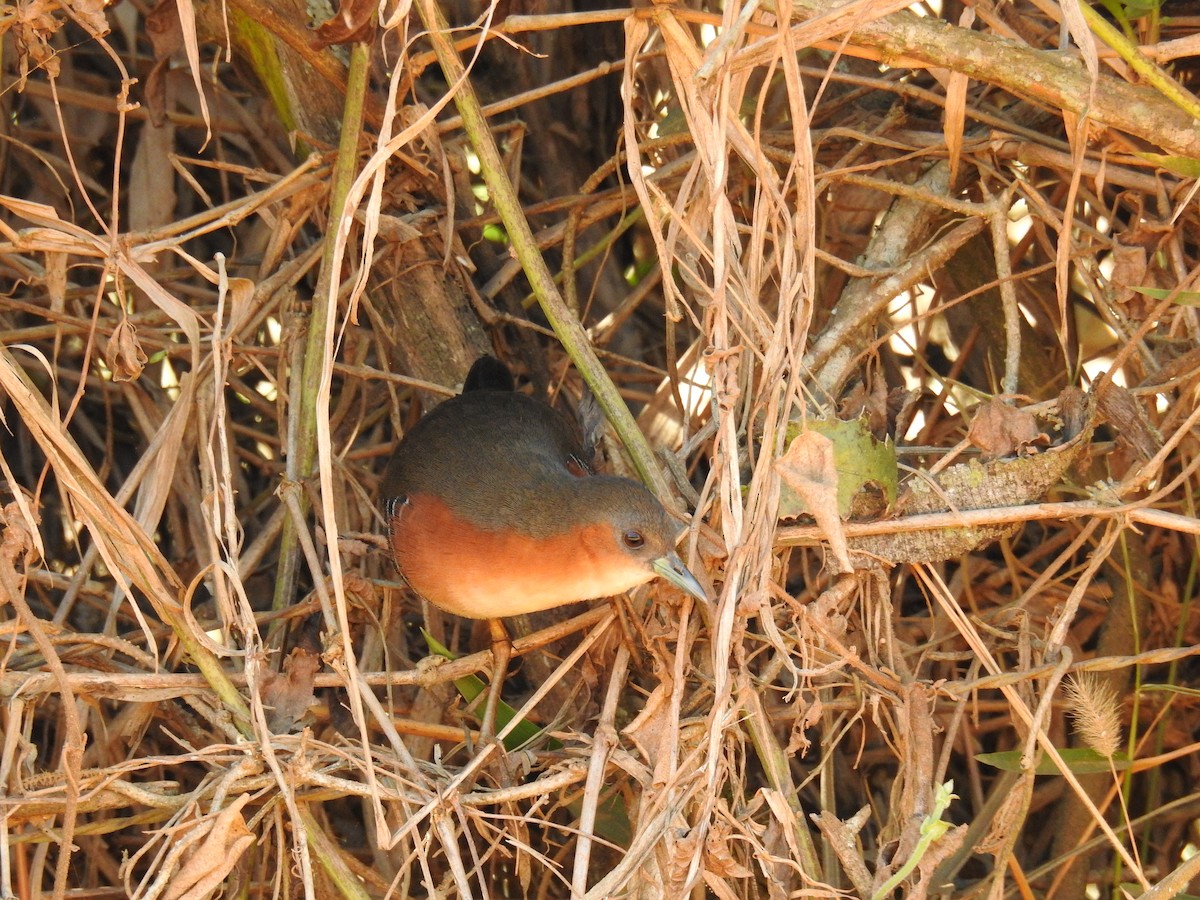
963,668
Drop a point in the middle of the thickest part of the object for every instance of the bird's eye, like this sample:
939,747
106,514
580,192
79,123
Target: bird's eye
633,540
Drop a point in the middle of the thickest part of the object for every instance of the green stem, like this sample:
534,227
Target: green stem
1150,72
302,437
342,880
778,772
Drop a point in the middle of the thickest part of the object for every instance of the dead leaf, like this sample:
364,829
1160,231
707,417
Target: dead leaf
868,401
288,694
1130,267
798,741
808,468
718,859
1074,410
901,410
1000,429
354,22
652,731
16,542
90,14
240,300
32,28
125,357
867,474
208,864
680,860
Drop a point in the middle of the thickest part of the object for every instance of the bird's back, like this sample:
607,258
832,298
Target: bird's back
488,454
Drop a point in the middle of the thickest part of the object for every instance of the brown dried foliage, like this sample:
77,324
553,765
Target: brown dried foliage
982,215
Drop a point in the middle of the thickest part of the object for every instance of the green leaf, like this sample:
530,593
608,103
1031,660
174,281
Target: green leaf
1183,298
496,234
1172,689
612,817
1080,760
1183,166
860,460
1135,9
471,686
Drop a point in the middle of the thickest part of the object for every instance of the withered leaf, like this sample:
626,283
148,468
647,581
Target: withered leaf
33,26
808,468
215,855
718,858
1000,429
353,22
289,694
125,356
90,14
1130,264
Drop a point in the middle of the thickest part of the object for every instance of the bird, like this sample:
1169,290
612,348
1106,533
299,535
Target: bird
493,510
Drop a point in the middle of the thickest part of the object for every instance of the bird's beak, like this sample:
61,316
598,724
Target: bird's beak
671,567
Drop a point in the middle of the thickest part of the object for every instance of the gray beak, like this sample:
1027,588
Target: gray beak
671,567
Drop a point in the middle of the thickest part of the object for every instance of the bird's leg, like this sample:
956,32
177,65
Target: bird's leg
501,654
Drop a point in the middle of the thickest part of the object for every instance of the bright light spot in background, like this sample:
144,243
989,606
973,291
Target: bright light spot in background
479,189
169,380
708,34
1092,333
914,429
1097,367
660,110
904,335
903,339
903,310
268,391
695,389
1019,221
